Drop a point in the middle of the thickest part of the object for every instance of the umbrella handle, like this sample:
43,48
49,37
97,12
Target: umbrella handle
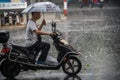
43,15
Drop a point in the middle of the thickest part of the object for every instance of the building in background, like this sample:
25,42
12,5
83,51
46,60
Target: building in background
11,11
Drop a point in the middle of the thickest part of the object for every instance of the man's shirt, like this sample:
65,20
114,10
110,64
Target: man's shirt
31,36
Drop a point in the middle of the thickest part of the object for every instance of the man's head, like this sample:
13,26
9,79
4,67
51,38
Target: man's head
36,15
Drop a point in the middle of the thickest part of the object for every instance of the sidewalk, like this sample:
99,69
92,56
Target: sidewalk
48,17
12,27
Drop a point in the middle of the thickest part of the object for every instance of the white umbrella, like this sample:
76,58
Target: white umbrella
42,7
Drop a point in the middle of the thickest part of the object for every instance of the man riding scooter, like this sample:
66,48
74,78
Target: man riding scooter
16,58
33,38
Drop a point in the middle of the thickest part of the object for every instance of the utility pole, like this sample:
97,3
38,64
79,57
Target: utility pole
65,7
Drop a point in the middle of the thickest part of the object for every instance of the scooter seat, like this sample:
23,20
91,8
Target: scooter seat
20,48
24,50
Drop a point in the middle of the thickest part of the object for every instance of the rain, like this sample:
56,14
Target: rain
95,33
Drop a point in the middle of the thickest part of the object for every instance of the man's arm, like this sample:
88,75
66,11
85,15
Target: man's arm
43,23
42,33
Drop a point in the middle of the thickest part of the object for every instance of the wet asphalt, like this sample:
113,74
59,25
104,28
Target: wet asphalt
95,33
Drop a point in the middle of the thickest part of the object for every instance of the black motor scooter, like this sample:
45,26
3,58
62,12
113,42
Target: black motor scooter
14,58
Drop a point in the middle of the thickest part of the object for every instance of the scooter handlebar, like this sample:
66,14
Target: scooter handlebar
56,32
53,26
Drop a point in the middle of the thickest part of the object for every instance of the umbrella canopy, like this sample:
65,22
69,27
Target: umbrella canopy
42,7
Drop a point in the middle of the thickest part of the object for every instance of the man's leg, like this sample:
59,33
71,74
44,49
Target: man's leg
35,47
44,46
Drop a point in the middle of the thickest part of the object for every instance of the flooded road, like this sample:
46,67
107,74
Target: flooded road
96,33
93,32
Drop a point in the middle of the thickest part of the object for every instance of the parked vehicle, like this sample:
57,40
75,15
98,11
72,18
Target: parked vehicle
99,3
84,3
14,58
91,3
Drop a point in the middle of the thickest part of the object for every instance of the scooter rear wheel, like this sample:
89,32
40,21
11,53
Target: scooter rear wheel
72,66
10,69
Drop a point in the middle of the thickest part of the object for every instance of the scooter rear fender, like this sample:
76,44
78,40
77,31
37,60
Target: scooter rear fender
1,60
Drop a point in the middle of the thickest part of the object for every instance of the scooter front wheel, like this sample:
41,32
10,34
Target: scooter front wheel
72,65
10,69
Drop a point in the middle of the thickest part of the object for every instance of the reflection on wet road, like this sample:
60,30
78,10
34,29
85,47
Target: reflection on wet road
96,34
50,76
